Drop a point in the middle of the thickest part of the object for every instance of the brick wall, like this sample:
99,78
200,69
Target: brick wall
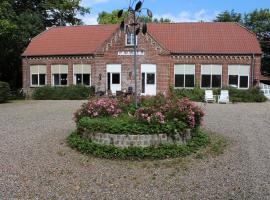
154,54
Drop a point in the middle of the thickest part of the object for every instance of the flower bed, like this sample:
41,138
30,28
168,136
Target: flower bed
158,120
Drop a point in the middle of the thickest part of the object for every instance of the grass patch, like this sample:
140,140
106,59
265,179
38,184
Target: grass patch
137,153
217,145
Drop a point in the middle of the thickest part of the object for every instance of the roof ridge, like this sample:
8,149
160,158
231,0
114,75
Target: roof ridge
243,27
191,23
75,26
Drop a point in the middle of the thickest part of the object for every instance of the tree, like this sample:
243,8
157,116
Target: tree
111,18
227,16
257,21
21,20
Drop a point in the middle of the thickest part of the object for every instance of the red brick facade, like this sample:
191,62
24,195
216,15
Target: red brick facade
153,54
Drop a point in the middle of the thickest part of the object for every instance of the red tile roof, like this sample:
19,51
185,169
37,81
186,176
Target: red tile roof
184,38
205,38
69,40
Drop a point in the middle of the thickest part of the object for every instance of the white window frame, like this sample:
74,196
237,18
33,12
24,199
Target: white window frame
238,74
126,38
52,76
185,76
74,75
211,75
38,85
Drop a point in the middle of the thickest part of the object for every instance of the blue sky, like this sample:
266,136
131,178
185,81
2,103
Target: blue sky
177,10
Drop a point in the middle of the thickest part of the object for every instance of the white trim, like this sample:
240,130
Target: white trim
37,85
112,69
149,69
82,73
59,73
211,76
194,74
238,76
128,45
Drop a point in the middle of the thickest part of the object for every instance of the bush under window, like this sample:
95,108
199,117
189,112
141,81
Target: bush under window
74,92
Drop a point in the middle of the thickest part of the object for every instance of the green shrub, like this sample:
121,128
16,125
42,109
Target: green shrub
17,95
128,125
253,94
74,92
163,151
196,94
4,92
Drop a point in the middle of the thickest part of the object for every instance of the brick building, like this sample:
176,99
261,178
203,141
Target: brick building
182,55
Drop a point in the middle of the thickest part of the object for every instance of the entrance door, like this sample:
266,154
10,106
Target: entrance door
114,78
148,79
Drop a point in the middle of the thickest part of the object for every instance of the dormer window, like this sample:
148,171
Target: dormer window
130,39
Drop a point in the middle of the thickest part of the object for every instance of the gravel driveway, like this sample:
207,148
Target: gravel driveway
35,162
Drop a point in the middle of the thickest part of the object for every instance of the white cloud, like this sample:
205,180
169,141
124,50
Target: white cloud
187,16
90,20
92,2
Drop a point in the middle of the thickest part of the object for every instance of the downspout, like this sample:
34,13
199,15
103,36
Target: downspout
252,68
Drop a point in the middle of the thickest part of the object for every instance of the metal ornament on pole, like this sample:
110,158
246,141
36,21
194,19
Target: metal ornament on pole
137,27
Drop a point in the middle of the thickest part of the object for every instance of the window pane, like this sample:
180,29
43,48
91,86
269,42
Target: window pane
34,79
216,81
233,80
143,82
189,81
109,81
130,39
78,79
179,80
63,79
42,79
86,79
116,78
150,79
243,81
206,81
56,79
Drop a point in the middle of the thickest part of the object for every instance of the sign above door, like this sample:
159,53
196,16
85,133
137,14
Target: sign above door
130,53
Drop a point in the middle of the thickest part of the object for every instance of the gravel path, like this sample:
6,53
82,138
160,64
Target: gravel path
35,162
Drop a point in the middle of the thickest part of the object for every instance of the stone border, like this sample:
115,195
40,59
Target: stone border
120,140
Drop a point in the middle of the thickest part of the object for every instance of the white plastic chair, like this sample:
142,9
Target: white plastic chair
209,97
224,97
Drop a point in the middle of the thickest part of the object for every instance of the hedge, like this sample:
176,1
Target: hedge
161,152
74,92
4,92
253,94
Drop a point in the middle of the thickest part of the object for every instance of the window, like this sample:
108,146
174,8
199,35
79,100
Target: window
115,78
211,76
38,75
130,39
184,76
82,74
239,76
59,75
150,79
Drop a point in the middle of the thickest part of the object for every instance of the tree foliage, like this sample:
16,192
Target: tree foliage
21,20
228,16
257,21
111,18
